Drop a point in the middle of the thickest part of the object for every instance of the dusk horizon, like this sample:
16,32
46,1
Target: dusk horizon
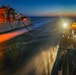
42,7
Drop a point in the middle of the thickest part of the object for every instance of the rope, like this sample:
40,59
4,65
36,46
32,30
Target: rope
10,25
18,24
25,26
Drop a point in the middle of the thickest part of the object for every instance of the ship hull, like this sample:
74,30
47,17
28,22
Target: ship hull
13,29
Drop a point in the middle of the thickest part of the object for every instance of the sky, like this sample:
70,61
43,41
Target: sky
42,7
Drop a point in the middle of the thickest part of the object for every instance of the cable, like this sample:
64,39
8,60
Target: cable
10,25
18,24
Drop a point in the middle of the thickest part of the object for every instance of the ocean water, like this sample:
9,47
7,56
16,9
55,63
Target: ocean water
35,18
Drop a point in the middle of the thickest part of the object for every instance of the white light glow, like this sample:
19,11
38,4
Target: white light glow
65,25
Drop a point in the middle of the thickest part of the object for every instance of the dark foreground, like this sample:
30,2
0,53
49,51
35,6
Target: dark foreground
33,53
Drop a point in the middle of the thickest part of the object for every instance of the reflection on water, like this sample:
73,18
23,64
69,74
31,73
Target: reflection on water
8,56
12,54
